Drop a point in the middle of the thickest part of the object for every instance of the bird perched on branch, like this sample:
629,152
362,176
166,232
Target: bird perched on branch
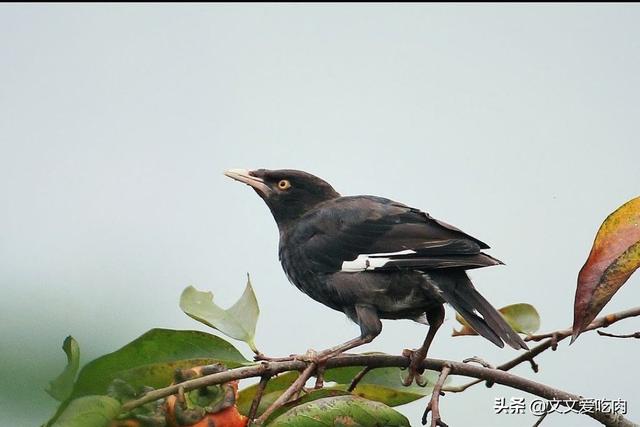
372,258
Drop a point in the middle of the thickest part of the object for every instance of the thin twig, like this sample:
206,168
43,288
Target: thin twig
605,334
600,322
319,376
540,419
526,356
476,359
358,378
284,397
552,339
258,397
462,387
434,403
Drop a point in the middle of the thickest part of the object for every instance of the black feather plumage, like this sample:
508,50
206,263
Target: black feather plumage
373,258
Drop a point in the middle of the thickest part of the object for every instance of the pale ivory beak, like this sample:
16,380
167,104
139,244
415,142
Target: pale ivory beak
244,176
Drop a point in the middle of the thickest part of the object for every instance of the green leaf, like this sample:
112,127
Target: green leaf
340,411
305,398
381,384
239,321
275,387
161,374
522,317
89,411
151,359
388,396
61,387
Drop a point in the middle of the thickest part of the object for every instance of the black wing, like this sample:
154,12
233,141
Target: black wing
365,233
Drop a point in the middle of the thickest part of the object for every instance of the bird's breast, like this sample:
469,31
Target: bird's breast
307,277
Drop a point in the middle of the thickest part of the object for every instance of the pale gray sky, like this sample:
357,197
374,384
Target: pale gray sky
517,123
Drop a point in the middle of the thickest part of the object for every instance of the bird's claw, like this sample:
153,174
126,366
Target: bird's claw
309,357
317,358
416,358
420,380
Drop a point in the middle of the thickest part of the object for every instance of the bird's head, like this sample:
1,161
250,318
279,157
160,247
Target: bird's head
288,193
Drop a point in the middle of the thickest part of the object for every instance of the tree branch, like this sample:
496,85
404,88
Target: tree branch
258,397
552,340
600,322
381,361
540,419
434,403
358,378
288,394
267,369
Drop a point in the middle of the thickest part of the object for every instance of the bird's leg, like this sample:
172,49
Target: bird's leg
370,326
366,316
435,317
320,358
324,355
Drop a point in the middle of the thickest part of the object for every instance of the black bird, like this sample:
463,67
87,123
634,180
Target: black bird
372,258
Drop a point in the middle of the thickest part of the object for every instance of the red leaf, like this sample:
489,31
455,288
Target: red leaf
614,257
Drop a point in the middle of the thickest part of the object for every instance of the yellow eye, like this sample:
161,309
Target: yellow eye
284,184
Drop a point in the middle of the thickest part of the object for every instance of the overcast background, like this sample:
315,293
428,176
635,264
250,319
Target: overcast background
517,123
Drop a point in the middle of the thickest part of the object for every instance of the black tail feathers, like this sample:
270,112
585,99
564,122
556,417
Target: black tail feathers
466,300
